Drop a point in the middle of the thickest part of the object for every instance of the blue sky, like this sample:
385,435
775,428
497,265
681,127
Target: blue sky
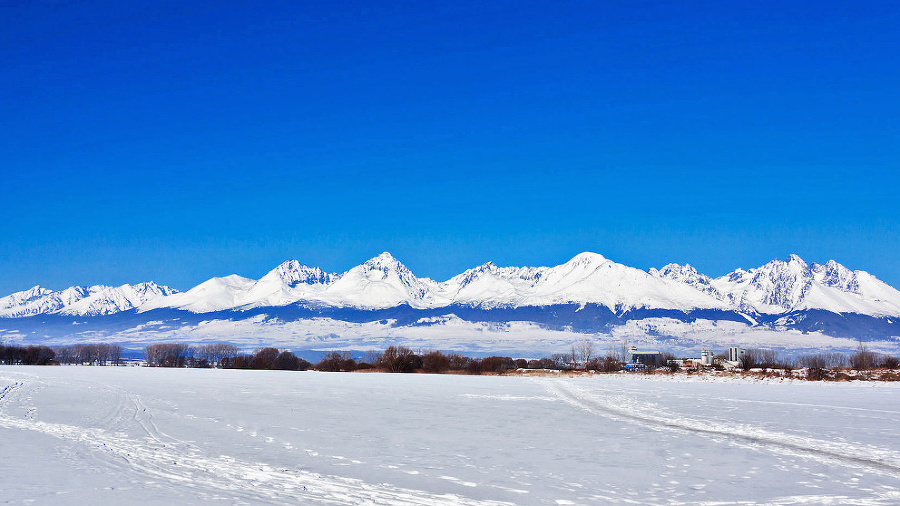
176,141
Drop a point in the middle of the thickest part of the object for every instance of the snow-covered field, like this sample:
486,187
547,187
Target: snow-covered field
77,435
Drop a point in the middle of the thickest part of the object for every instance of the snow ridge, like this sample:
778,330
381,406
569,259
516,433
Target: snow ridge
81,300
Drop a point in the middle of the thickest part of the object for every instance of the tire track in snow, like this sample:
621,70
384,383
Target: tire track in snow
880,459
180,464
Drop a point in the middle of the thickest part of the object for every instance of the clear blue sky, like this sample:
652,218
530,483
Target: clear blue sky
176,141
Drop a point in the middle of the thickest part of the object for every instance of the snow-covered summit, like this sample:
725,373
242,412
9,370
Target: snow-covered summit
591,278
382,281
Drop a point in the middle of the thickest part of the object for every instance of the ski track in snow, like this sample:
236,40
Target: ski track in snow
876,459
183,464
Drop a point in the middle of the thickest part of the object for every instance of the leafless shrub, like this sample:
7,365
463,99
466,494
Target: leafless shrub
399,359
459,362
336,361
435,362
863,360
817,365
562,362
889,362
497,364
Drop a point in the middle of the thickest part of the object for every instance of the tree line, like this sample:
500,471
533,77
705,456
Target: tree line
222,356
821,366
27,355
400,359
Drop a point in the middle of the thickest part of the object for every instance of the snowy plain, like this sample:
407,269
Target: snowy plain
76,435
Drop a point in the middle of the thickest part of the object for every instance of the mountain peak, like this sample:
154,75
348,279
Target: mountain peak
587,257
384,261
293,273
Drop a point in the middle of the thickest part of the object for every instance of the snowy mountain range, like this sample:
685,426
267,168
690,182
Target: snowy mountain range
587,294
383,282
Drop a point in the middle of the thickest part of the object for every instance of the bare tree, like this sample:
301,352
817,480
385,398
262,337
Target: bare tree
585,352
214,354
863,360
168,354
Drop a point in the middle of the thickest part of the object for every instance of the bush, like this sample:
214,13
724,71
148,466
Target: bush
336,361
562,361
399,359
889,362
816,365
458,362
287,361
497,364
435,362
862,359
264,359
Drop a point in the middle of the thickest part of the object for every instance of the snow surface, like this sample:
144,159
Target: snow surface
77,435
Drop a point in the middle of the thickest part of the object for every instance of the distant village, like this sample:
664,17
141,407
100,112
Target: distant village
641,360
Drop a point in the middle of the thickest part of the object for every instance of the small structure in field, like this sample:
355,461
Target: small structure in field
635,359
735,357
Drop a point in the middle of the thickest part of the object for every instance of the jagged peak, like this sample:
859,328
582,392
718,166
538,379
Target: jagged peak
292,272
673,268
152,287
36,289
